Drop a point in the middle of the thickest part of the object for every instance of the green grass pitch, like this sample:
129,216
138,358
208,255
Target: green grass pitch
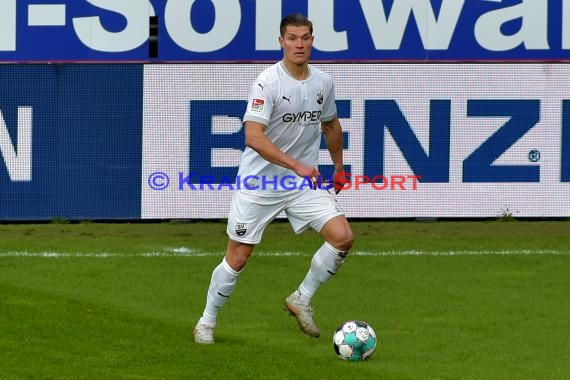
448,300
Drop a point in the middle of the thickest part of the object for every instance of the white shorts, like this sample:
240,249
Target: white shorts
250,214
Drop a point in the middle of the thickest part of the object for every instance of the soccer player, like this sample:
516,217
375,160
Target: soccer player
291,104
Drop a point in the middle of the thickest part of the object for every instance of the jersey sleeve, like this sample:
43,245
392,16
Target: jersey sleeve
260,103
329,107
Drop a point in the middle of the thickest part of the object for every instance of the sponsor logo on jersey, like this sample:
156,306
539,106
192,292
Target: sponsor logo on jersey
305,116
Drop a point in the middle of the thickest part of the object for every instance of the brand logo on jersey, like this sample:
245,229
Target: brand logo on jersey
320,97
302,116
287,99
257,105
241,229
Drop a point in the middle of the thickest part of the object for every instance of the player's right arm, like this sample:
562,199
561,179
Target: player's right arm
256,139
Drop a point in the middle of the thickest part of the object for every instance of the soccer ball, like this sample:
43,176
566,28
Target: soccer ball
354,340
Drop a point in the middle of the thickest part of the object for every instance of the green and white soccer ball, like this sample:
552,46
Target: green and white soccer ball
354,341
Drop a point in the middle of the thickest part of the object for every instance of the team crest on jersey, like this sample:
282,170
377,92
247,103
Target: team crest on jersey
320,97
257,105
241,229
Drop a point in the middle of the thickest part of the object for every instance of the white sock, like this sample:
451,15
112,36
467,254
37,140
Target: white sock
222,284
324,264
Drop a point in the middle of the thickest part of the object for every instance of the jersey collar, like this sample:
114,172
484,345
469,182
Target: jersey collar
284,68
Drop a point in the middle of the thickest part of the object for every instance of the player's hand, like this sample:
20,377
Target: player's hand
309,172
339,180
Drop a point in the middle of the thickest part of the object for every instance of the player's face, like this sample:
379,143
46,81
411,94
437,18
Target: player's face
297,43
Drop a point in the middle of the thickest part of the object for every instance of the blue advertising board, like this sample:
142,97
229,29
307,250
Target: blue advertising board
70,141
134,141
247,30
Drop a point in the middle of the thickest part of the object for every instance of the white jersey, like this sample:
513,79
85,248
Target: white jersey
292,111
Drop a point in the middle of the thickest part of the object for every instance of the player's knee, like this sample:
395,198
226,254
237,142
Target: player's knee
346,242
237,254
343,242
236,262
337,232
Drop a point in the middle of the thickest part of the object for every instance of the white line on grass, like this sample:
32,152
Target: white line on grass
189,252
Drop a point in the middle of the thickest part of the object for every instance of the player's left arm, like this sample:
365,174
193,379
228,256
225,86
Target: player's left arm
332,132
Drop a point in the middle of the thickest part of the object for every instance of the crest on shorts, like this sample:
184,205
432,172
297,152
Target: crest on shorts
241,229
320,97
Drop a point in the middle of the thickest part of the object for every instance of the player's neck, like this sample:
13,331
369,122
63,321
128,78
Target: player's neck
299,72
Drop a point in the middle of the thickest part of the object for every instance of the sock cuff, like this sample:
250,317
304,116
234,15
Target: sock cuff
229,269
335,251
